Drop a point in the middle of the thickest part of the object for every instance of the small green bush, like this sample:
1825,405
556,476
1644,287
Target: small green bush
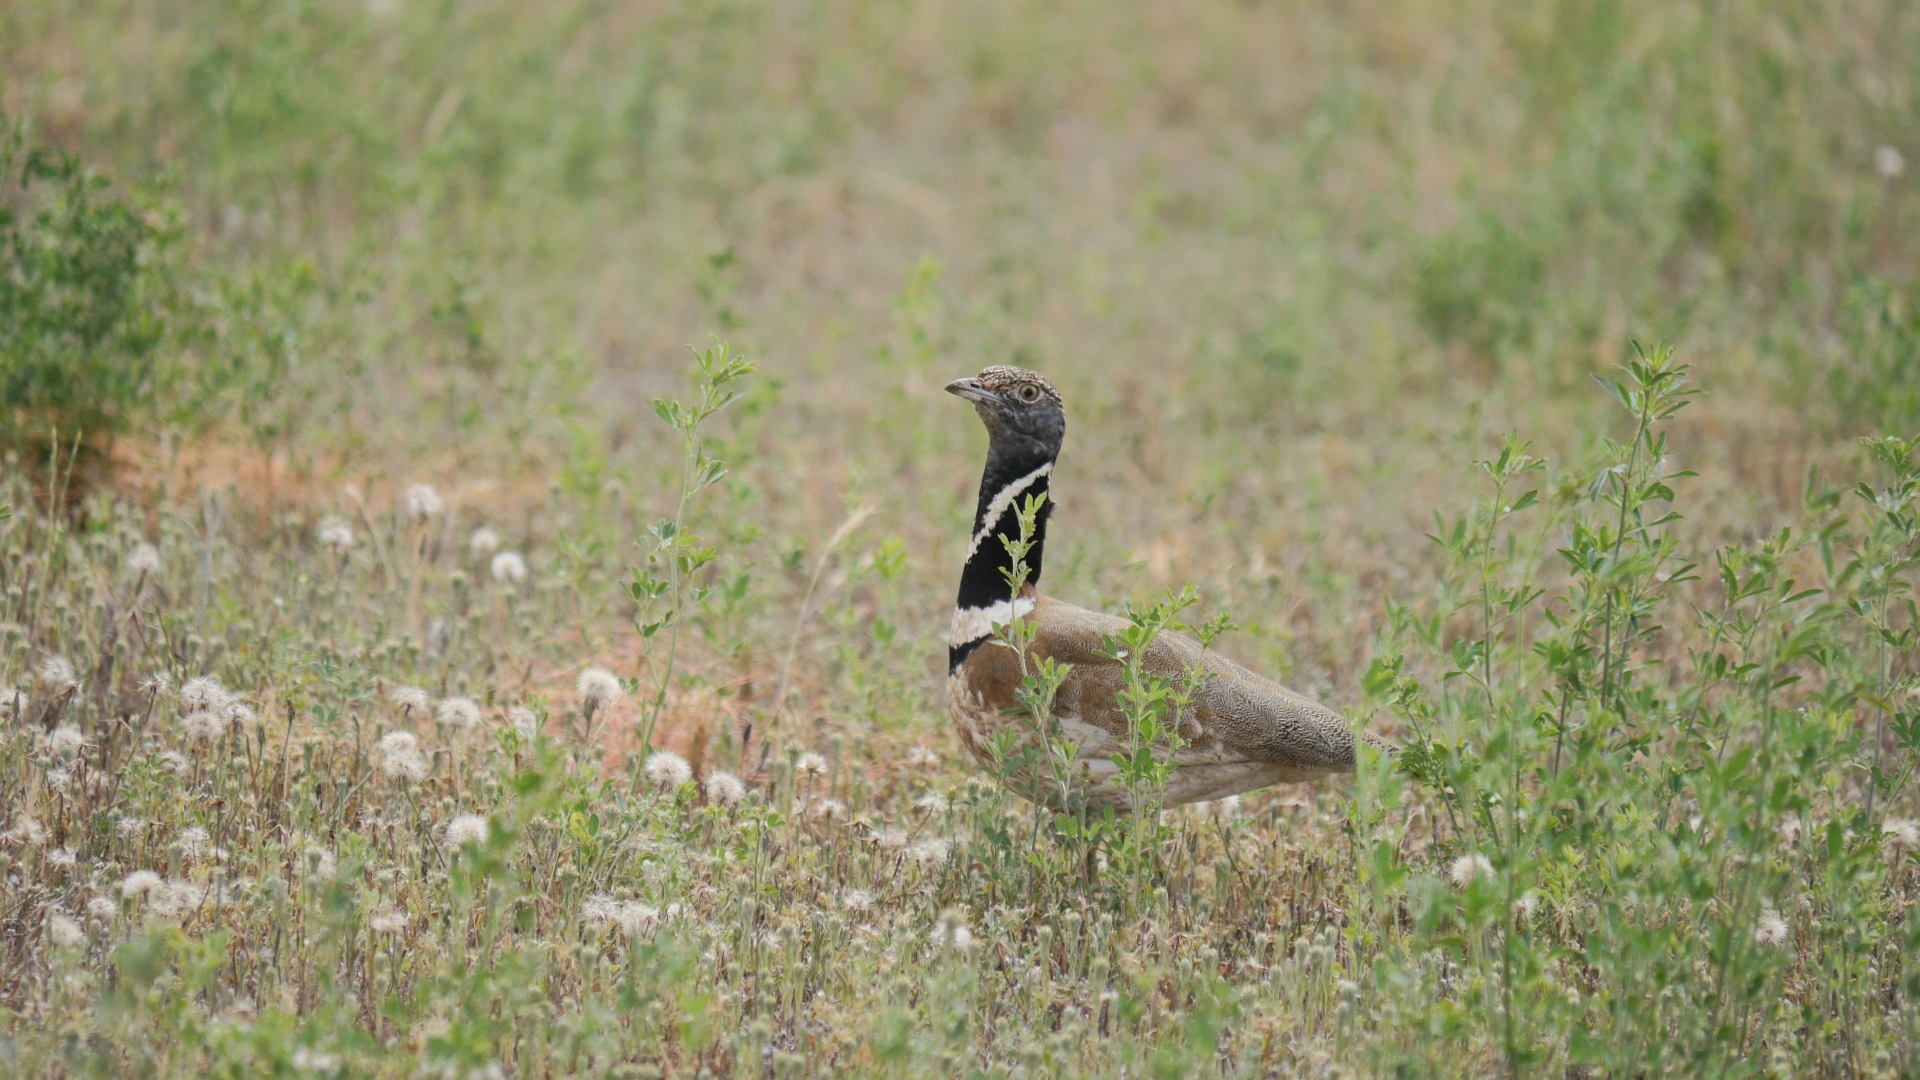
85,308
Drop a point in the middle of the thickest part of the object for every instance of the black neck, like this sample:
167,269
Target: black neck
986,580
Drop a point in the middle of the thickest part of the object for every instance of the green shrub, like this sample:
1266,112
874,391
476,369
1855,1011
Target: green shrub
86,310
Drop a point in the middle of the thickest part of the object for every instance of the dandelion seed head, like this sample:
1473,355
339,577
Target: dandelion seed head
204,694
64,931
424,503
953,933
667,769
458,713
174,899
858,900
204,726
102,909
524,722
388,921
406,765
920,755
725,789
1889,162
63,859
509,568
826,809
26,831
467,829
1900,834
1468,868
629,916
143,559
931,851
172,762
325,866
931,803
394,742
140,883
128,827
238,715
890,839
58,674
335,535
411,699
599,687
1770,928
810,764
483,543
59,779
65,741
193,840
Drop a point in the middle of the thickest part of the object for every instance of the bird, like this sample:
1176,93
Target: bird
1238,731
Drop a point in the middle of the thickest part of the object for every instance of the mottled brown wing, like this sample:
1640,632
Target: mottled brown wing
1235,716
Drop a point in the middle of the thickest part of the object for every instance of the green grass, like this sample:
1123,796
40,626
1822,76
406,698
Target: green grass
1298,270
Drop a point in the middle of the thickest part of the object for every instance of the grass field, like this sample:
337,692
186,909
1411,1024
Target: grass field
391,684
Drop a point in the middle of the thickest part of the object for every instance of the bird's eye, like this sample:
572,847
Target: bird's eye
1028,394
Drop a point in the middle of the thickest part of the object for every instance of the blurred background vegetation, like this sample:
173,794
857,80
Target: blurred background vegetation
1290,214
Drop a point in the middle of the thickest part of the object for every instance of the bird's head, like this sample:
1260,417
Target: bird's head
1020,408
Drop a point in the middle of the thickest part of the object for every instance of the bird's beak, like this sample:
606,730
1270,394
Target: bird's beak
969,389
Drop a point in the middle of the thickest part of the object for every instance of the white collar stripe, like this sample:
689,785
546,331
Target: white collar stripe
1001,502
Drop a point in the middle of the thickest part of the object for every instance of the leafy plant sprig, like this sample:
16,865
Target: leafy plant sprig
664,587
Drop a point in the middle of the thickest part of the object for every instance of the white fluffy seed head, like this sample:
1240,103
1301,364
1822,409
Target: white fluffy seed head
858,900
58,674
408,767
952,932
458,713
388,921
204,726
524,722
65,741
509,568
1469,868
64,931
424,503
810,764
483,543
140,883
599,687
725,789
25,830
401,759
102,908
1889,162
144,559
335,535
398,742
667,769
630,916
238,715
1900,834
1770,928
411,699
930,852
204,694
467,829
